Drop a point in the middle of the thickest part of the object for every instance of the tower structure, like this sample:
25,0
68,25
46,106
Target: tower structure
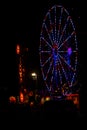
22,71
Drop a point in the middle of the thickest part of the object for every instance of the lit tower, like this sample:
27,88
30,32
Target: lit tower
21,69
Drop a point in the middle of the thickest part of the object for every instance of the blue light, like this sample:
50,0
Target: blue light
69,51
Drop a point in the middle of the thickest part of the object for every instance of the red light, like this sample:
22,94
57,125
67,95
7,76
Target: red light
21,97
18,49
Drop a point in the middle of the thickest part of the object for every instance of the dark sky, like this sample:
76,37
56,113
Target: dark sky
21,23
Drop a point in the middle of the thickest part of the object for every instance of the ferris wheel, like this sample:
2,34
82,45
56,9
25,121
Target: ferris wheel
58,50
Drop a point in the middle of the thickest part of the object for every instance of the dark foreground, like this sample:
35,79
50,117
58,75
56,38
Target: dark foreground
50,110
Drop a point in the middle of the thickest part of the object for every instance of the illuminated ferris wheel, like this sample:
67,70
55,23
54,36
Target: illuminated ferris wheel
58,50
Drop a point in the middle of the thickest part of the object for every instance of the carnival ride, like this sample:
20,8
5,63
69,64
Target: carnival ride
58,52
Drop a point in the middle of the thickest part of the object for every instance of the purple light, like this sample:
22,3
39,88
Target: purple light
69,51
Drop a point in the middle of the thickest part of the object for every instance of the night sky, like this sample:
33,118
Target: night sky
21,23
